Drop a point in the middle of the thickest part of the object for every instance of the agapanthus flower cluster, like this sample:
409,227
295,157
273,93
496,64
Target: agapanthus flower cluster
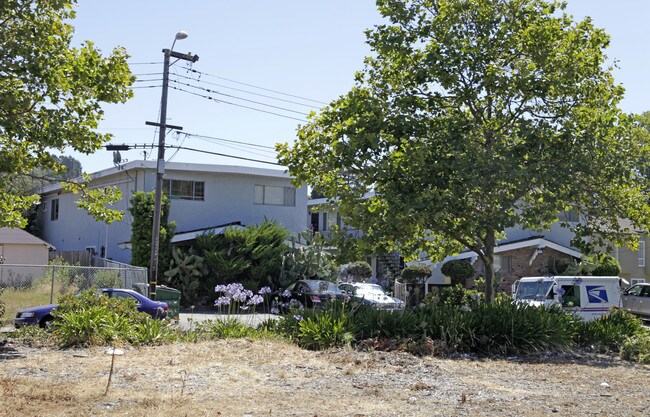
235,295
264,290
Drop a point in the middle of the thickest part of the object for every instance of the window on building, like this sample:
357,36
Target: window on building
506,264
634,281
641,253
325,227
184,190
54,209
568,216
275,196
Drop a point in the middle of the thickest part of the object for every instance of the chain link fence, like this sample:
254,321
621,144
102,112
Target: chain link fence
32,285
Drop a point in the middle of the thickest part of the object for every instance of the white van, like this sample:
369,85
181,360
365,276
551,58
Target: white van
588,297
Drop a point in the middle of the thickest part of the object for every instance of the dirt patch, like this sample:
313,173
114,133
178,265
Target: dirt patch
274,378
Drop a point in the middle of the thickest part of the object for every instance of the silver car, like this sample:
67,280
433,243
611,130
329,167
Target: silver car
636,300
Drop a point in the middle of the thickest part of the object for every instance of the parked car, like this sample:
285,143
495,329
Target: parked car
371,294
310,293
42,315
636,300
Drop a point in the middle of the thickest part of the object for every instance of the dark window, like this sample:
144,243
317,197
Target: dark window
54,212
184,190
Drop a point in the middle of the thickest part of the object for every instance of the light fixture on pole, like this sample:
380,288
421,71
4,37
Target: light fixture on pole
160,165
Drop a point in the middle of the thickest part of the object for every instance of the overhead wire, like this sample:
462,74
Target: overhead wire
237,98
247,92
238,105
255,86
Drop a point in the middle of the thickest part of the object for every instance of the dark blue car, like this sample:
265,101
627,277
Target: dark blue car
42,315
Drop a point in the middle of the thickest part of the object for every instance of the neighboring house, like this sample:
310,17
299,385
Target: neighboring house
635,264
202,197
531,256
17,247
21,248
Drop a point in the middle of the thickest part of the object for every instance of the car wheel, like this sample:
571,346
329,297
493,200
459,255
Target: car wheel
46,322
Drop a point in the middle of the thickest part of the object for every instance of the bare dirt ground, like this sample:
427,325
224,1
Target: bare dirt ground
274,378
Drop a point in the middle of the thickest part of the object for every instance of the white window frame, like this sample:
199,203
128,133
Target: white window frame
634,281
641,254
262,197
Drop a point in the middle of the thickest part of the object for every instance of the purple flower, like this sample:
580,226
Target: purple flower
297,317
274,310
220,288
255,300
264,290
286,293
222,301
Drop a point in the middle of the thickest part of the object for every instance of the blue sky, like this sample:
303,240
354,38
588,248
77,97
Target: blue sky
308,49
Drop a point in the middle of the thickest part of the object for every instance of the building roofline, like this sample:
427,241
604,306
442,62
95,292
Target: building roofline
179,167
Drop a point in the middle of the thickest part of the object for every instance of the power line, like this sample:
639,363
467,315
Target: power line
226,155
254,86
238,105
237,98
243,148
226,140
246,91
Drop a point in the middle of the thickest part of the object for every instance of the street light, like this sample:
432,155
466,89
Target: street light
160,165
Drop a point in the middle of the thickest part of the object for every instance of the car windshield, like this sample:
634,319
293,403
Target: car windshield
533,290
369,289
323,287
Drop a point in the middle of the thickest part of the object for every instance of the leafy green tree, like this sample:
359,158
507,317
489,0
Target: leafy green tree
141,208
252,255
458,270
51,94
473,116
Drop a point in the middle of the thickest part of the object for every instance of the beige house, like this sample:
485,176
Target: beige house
635,264
21,248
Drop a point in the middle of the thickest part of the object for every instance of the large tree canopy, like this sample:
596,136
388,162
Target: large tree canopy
471,117
50,94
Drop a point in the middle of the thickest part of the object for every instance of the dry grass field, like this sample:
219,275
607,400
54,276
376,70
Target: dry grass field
274,378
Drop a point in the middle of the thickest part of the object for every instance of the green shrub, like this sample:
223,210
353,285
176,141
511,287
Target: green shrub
89,326
637,349
31,335
385,324
458,270
416,273
149,331
225,329
322,328
606,265
457,295
324,331
360,270
95,319
503,327
609,331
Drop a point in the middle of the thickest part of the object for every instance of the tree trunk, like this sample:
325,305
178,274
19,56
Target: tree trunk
488,260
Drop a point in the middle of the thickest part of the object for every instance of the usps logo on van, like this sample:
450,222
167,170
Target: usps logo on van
597,294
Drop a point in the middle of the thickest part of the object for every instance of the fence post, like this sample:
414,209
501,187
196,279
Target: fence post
52,289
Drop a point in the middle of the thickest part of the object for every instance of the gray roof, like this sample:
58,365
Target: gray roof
13,236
